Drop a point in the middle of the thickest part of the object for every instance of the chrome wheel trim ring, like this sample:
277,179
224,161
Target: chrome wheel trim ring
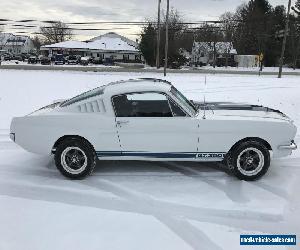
67,167
258,168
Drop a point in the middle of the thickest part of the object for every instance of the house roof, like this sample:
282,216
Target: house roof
11,39
68,45
115,35
105,43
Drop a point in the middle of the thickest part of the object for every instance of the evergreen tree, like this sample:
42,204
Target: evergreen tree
148,43
177,34
253,27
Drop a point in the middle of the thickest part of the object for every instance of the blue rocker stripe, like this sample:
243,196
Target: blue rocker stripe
162,155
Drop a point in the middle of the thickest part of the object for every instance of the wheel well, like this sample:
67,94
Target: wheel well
61,139
257,139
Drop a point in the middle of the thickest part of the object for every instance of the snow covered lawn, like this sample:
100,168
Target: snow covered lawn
141,205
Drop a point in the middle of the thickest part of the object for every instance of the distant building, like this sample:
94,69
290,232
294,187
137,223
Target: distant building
115,35
15,44
247,61
110,46
203,52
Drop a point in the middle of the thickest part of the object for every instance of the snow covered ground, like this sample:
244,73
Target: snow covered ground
142,205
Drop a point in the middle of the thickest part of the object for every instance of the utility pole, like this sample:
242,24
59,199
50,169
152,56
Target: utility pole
167,38
214,44
158,37
215,52
297,11
284,39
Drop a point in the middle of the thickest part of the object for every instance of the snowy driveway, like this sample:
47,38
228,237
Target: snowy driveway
141,205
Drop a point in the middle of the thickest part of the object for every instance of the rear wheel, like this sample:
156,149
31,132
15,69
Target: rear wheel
249,160
75,158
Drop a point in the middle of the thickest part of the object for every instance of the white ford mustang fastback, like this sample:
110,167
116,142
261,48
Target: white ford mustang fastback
149,119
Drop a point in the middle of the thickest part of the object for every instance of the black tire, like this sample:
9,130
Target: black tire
249,160
75,158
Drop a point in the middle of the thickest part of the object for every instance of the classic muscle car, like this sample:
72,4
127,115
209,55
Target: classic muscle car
149,119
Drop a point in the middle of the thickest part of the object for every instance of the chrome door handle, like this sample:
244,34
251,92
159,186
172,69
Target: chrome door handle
119,123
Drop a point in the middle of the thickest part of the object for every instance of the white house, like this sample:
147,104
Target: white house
203,52
16,44
109,46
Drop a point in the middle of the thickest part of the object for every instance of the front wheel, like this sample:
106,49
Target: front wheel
249,161
75,158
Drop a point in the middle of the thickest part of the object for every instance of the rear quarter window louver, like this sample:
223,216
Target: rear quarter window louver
96,106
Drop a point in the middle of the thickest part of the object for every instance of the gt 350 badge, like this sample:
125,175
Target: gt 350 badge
210,155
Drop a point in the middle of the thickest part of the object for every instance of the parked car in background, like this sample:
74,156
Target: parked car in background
175,65
85,60
17,58
97,60
59,59
45,60
7,57
149,119
32,60
39,57
72,59
25,56
108,62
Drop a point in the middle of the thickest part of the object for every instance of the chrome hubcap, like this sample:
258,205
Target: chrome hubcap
250,161
73,160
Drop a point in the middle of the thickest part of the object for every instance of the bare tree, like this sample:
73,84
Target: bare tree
228,29
1,37
57,32
36,43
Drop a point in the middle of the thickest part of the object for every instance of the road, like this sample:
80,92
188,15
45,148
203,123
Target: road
146,70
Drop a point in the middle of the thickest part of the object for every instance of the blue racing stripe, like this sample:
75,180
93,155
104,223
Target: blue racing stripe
161,155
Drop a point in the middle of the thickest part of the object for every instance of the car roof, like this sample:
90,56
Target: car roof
122,87
137,85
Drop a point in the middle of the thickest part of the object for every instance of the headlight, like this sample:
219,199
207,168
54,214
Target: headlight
12,136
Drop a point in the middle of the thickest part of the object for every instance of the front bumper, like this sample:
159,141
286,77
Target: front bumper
292,146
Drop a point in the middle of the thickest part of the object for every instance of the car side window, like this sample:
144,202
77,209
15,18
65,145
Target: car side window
148,104
176,110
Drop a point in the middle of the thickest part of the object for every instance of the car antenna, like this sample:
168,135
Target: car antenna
204,102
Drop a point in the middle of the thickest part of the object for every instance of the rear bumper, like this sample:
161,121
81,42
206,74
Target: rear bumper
12,136
292,146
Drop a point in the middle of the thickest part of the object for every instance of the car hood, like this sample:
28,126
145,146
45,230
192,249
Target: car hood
241,110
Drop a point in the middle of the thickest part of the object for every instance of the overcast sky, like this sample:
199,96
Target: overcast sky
113,10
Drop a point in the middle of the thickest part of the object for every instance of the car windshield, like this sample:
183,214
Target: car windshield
83,96
184,101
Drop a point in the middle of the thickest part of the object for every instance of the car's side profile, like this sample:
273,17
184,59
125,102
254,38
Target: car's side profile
149,119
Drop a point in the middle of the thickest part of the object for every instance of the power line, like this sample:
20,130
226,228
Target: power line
100,22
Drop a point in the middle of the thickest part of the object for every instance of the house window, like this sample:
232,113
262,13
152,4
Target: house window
125,57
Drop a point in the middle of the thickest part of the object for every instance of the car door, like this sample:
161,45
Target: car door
151,125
